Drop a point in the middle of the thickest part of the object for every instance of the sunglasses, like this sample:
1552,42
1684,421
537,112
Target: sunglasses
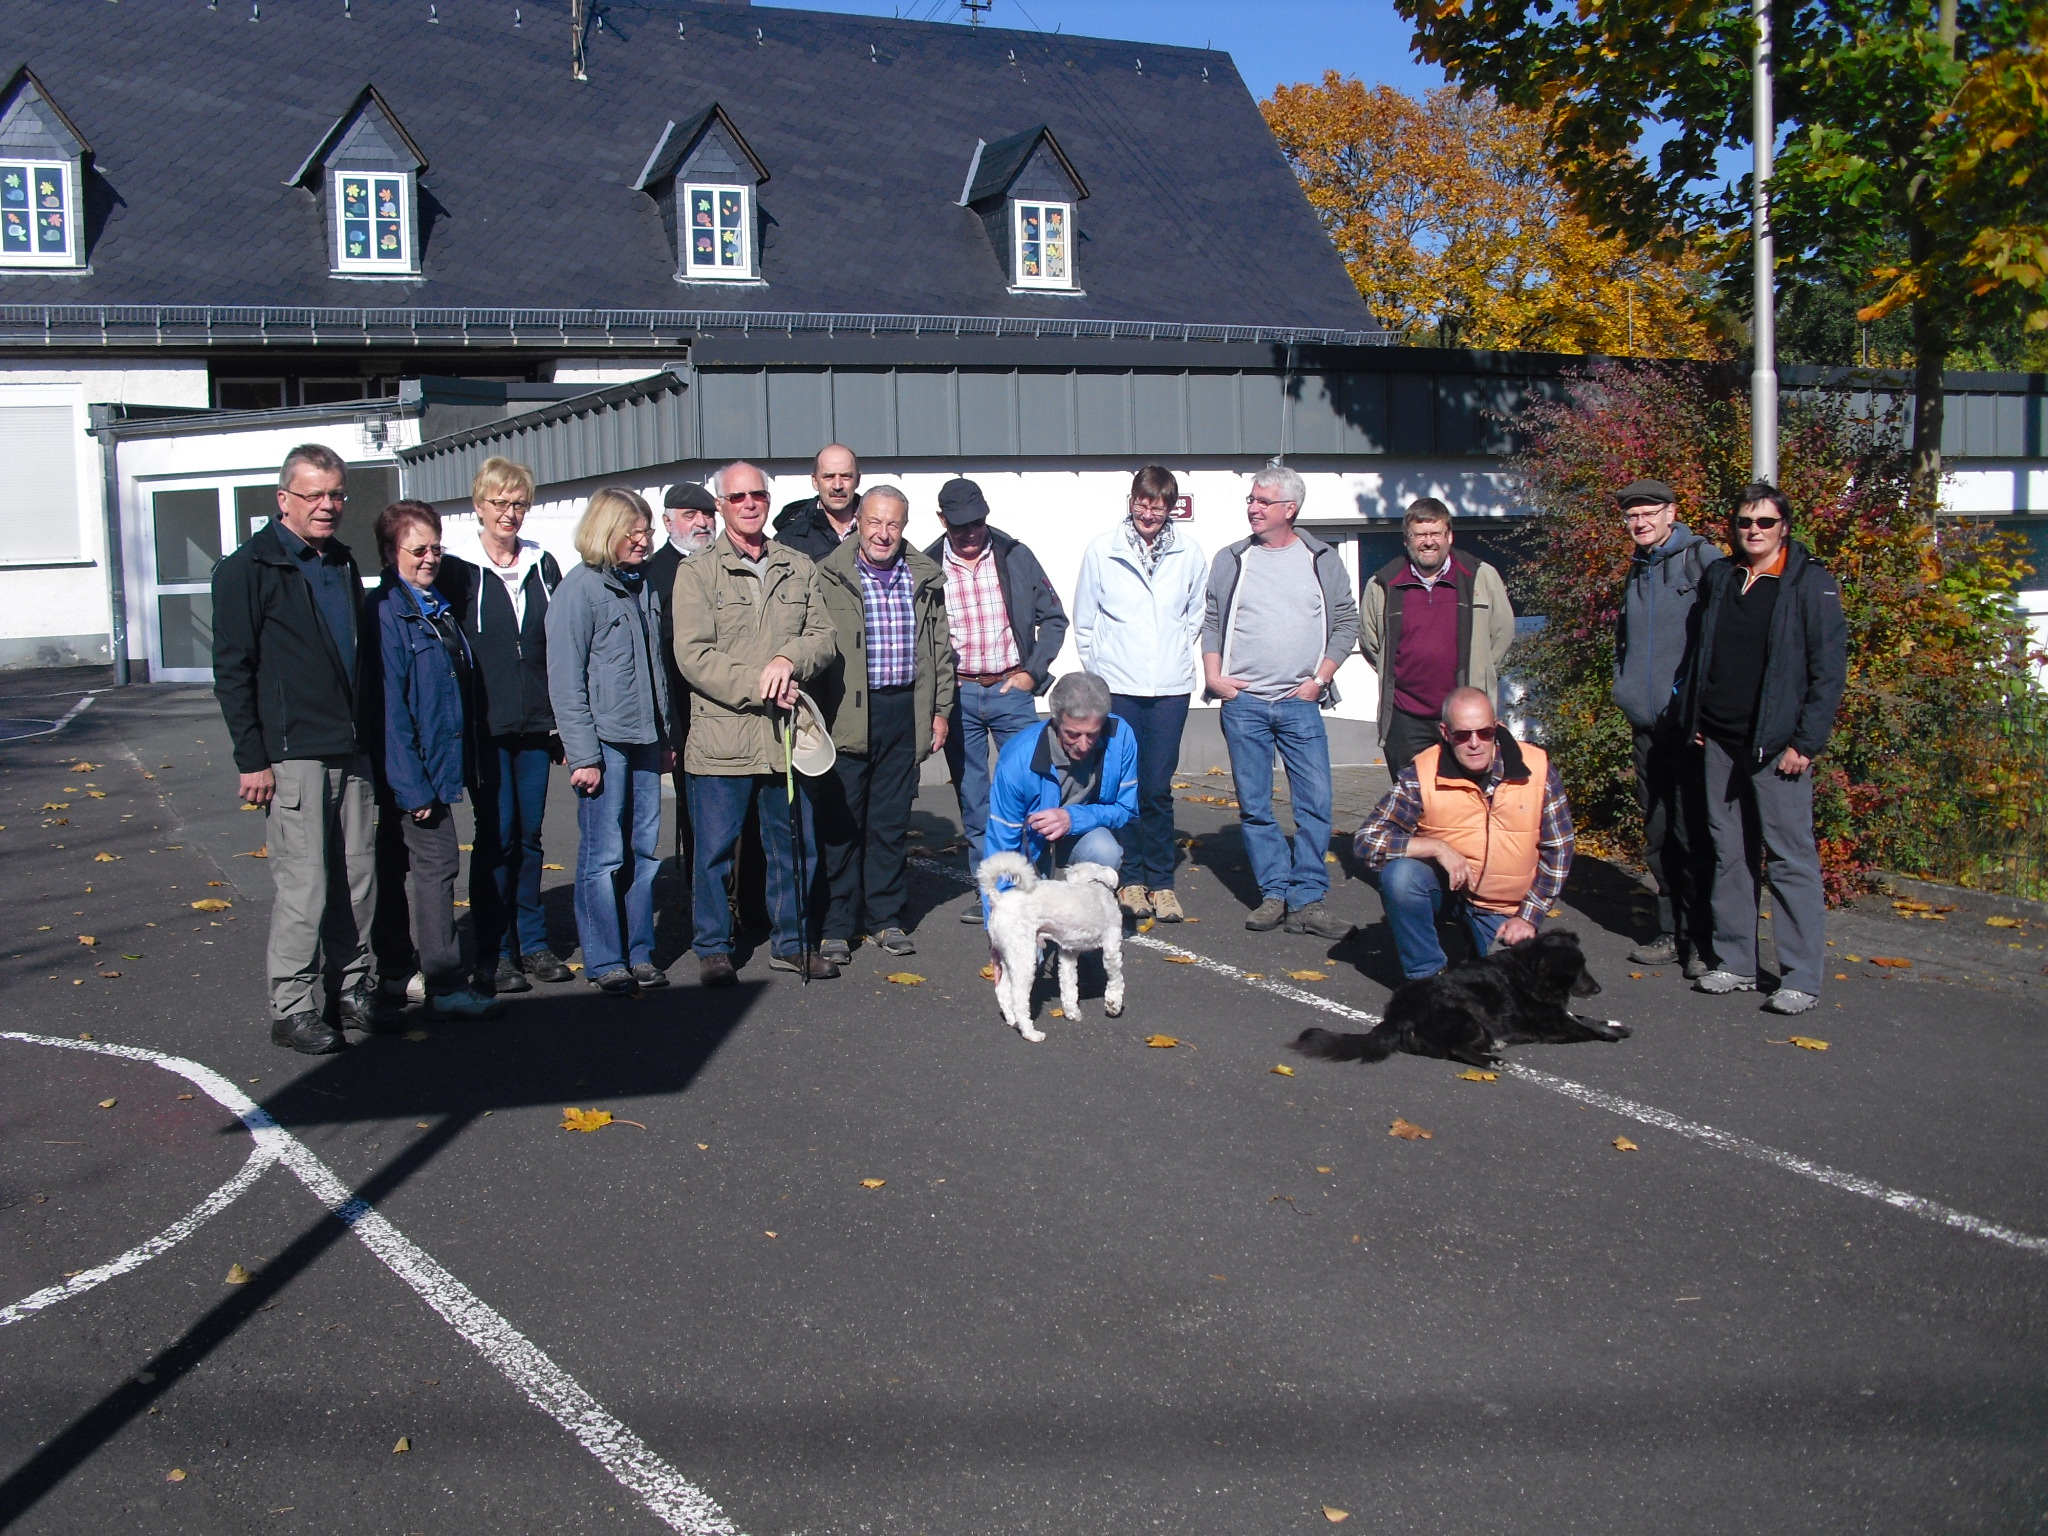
1484,733
746,496
421,551
1758,522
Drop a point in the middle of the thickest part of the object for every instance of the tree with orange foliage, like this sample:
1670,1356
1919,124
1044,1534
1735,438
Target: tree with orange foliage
1452,224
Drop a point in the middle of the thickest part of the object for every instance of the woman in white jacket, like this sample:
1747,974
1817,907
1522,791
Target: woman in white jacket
1137,623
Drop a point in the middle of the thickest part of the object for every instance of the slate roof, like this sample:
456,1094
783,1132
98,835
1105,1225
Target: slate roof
198,116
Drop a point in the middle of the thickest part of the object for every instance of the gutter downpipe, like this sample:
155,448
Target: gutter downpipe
117,579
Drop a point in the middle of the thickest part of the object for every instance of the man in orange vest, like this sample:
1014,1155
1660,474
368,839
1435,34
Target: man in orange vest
1478,821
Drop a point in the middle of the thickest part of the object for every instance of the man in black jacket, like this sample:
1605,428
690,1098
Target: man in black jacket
285,669
690,513
1007,626
1766,678
820,523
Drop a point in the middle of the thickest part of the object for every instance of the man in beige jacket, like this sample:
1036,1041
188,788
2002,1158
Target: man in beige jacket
751,628
1431,621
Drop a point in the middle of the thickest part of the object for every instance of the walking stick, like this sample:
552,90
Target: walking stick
796,847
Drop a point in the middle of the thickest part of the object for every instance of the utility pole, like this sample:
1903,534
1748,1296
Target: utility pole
1763,380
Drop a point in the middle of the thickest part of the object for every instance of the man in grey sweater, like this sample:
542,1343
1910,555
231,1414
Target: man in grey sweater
1280,620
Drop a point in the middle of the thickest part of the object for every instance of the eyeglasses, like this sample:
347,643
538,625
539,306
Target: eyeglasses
421,551
745,496
316,497
507,504
1633,513
1139,504
1484,733
1253,501
1758,522
641,535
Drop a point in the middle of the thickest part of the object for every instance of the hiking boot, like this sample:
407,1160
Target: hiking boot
1318,920
1720,983
972,913
805,962
648,974
361,1008
1695,968
1166,907
308,1034
1662,950
618,983
507,976
716,971
838,951
1789,1000
894,941
462,1003
542,965
1267,915
1135,901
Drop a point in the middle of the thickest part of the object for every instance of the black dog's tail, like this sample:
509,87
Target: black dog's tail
1325,1045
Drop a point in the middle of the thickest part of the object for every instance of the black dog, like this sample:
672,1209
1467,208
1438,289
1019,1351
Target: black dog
1514,996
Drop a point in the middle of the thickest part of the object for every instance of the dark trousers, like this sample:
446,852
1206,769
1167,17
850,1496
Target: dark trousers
1406,736
504,864
1157,722
1671,794
419,921
864,815
1758,816
719,806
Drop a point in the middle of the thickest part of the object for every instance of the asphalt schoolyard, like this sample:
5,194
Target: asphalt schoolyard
854,1258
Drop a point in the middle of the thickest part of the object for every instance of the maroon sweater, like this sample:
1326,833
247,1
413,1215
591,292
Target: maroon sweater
1426,656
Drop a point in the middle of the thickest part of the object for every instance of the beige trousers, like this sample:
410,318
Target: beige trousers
323,857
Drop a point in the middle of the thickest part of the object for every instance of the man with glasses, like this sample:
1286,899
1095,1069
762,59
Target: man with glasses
1766,677
1479,824
1652,639
821,522
286,609
1279,618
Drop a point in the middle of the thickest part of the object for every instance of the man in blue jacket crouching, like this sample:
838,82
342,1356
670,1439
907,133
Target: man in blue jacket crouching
1061,792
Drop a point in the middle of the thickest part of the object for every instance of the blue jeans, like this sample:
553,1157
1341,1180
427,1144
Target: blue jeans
621,821
1414,891
1157,722
984,717
1254,729
504,869
718,810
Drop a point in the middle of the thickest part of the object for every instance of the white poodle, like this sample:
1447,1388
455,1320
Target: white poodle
1077,912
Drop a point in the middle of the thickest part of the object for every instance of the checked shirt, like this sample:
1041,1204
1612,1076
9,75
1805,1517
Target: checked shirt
1394,821
892,623
980,620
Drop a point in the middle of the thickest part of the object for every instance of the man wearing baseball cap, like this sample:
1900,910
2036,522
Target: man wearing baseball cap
1653,639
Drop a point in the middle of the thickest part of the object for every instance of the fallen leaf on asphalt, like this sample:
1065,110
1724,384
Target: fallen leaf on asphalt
216,883
108,1103
1146,924
175,1475
1254,975
1335,1515
1059,1013
404,1445
110,975
1161,1042
184,1096
1855,959
1180,959
237,1275
1892,962
465,847
58,805
905,978
766,1233
1282,1071
414,1035
1329,858
1900,904
1408,1131
86,1034
1474,1075
551,866
585,1120
872,1183
97,794
1997,921
1214,773
87,940
1841,975
988,973
58,821
1808,1043
1635,975
703,1146
105,858
1308,975
1321,1169
211,904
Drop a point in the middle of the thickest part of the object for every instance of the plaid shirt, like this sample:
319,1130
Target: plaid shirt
1397,818
983,641
892,623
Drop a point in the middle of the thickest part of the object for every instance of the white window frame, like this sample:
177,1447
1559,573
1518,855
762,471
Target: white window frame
68,194
374,265
715,271
1042,206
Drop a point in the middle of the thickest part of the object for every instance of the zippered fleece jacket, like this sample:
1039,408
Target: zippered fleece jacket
603,679
1486,628
1340,608
1025,781
1806,660
284,690
1655,630
842,693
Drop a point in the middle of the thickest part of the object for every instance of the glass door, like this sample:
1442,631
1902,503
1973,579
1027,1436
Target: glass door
191,529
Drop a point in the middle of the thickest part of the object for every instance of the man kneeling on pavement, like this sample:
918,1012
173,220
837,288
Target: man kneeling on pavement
1061,792
1478,823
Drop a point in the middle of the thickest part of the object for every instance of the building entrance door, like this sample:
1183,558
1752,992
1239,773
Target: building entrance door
192,526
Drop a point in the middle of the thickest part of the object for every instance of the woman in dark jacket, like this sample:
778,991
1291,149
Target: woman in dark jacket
428,753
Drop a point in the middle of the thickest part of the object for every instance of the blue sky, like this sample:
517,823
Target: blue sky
1274,42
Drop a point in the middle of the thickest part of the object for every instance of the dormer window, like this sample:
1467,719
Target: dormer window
366,171
42,169
704,178
1026,191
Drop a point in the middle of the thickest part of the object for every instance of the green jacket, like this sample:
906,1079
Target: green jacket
843,691
729,624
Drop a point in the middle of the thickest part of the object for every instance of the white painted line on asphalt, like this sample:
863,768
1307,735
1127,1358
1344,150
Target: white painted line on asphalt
675,1500
260,1159
69,715
1663,1120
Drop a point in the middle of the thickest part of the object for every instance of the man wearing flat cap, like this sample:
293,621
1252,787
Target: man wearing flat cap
1007,626
690,513
1653,638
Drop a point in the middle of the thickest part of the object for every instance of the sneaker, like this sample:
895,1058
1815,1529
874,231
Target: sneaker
648,974
1789,1000
1135,900
716,971
416,987
1720,983
805,962
619,983
972,913
838,951
463,1004
542,965
507,976
894,941
1166,907
1267,915
308,1034
1318,920
1662,950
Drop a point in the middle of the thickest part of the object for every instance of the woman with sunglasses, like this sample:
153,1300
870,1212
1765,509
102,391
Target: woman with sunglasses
611,707
1766,678
426,677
